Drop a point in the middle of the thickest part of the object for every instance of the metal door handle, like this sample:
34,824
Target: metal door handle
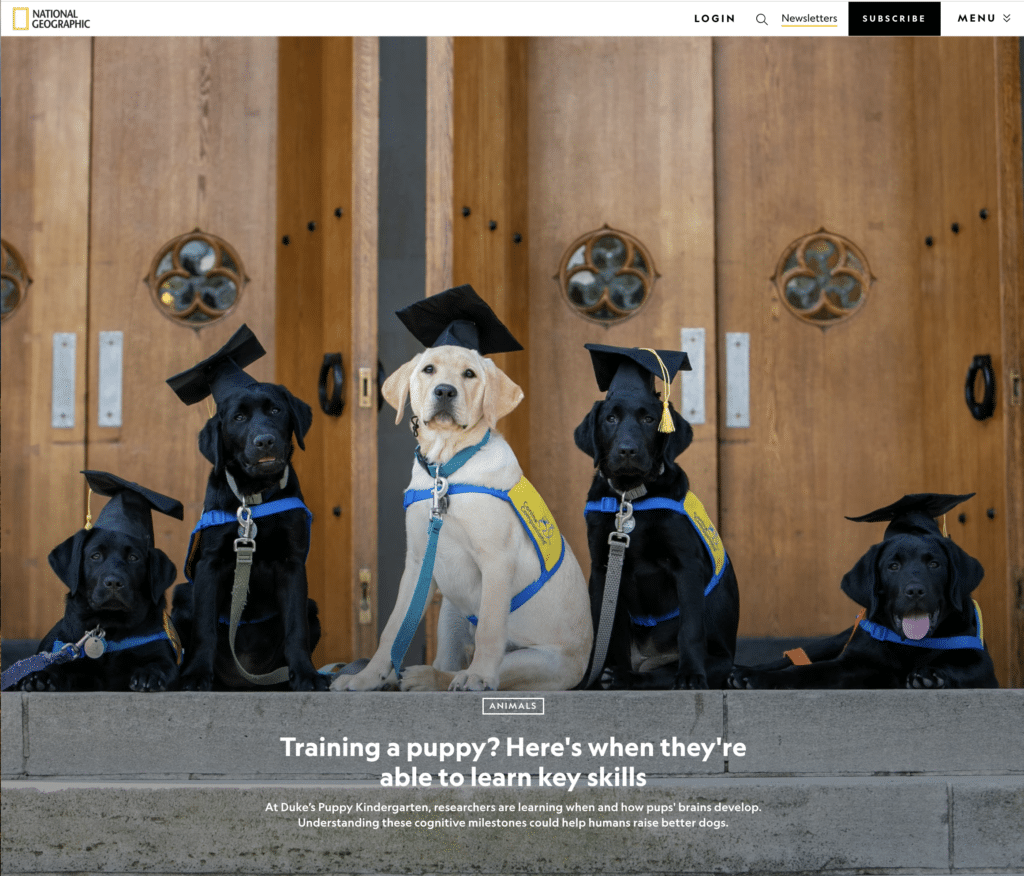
332,404
981,410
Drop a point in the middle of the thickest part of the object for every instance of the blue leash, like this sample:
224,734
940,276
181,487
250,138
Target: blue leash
440,474
63,652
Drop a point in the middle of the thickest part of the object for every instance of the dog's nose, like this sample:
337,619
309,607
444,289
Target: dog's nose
626,451
264,442
913,591
112,583
445,391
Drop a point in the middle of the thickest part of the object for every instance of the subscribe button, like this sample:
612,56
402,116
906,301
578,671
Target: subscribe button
894,19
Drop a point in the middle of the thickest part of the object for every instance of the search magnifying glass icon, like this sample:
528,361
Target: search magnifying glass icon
762,19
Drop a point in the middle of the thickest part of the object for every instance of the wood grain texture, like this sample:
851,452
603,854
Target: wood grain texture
45,216
363,311
850,418
489,177
836,415
184,136
438,227
620,133
1011,252
960,284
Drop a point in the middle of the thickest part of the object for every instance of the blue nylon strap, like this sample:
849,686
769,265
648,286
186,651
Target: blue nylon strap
950,643
610,505
413,496
218,517
110,646
36,663
419,598
62,652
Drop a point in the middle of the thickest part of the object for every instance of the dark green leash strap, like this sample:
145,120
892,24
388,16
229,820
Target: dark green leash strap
245,547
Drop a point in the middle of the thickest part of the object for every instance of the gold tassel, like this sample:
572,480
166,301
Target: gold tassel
88,510
666,424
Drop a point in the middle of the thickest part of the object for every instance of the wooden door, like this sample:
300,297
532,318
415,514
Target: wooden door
183,135
620,135
45,130
891,146
720,156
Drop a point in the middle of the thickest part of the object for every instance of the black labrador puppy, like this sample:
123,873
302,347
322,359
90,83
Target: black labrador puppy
248,442
678,605
116,580
919,629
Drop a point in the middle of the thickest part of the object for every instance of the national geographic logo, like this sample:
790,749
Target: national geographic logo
48,19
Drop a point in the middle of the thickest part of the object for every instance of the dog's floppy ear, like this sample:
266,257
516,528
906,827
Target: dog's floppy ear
585,434
396,388
965,573
501,394
66,560
301,413
210,444
162,573
859,583
676,442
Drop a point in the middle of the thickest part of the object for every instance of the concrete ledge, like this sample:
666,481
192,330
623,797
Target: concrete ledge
840,826
886,782
875,732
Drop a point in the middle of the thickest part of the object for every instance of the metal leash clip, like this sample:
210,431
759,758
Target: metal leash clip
439,501
245,544
91,643
624,521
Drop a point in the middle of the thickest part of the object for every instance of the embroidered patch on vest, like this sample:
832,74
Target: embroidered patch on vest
539,520
695,511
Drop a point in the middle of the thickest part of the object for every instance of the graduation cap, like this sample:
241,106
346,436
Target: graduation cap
914,513
460,318
130,512
619,369
130,508
222,371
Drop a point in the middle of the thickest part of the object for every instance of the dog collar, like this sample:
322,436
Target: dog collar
943,643
447,469
255,498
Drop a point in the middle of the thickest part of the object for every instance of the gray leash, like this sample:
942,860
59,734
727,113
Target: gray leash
245,547
618,541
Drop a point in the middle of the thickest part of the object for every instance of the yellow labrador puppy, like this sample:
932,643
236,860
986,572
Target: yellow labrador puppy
486,556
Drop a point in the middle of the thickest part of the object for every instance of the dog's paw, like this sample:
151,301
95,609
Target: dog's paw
743,678
38,682
613,679
686,681
926,678
200,681
421,678
146,679
303,680
368,679
472,681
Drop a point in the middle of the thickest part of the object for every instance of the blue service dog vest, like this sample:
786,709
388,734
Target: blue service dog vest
536,519
693,510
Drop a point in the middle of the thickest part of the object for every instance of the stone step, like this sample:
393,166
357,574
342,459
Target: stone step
826,782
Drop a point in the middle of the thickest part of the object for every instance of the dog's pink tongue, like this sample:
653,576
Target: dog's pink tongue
915,626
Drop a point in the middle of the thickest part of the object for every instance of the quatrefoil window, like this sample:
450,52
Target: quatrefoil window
607,275
196,279
823,278
15,279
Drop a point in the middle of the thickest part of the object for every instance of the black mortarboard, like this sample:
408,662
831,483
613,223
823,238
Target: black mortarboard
914,513
631,368
618,367
221,372
460,318
130,508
